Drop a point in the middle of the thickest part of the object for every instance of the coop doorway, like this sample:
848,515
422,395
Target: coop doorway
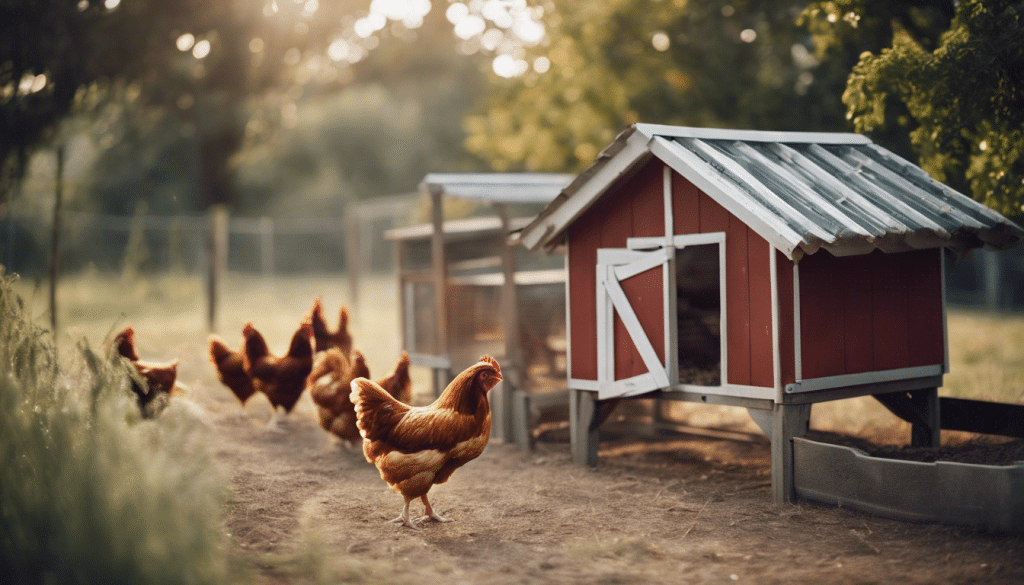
699,301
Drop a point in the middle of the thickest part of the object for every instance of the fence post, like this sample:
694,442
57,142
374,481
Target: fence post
55,239
353,256
217,255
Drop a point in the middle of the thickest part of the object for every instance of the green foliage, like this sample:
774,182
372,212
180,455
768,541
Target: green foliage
961,101
714,63
89,492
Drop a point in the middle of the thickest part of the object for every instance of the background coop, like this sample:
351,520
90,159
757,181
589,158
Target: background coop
465,283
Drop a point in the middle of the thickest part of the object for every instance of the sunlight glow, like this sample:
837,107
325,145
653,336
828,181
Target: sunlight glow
491,39
456,12
508,66
185,42
469,27
111,4
541,65
527,29
201,50
409,12
338,50
748,35
256,45
660,41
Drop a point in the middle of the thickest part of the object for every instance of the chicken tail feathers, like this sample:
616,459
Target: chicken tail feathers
377,412
219,350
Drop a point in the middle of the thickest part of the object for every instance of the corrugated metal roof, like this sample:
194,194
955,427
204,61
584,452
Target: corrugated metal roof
800,191
498,187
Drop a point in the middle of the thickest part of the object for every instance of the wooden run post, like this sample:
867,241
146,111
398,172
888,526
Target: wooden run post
788,421
440,278
512,369
583,427
353,254
217,256
55,238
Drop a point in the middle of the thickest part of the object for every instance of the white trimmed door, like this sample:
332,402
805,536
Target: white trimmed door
614,267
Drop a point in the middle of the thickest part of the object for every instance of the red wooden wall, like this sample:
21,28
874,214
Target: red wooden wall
636,208
869,313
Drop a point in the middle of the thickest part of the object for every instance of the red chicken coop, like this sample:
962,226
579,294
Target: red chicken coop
765,270
464,284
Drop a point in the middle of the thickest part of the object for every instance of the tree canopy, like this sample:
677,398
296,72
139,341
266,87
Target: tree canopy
963,96
716,63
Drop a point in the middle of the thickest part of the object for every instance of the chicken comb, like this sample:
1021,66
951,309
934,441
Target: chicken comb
127,333
491,362
249,330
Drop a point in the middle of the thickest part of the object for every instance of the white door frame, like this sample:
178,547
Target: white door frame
615,265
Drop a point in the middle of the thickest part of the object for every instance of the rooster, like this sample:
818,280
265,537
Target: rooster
157,380
231,369
323,337
281,379
329,387
417,447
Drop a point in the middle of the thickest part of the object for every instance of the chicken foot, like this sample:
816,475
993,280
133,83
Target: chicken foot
403,519
428,515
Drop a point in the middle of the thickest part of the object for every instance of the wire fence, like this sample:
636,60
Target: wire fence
351,242
145,244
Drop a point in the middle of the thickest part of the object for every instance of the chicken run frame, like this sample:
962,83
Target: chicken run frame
463,284
765,270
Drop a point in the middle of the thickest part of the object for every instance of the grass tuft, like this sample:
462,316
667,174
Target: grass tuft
91,493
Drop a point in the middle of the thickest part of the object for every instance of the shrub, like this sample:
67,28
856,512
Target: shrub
90,492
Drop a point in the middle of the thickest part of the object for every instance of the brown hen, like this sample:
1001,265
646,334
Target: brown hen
415,448
230,367
281,379
323,337
157,379
329,387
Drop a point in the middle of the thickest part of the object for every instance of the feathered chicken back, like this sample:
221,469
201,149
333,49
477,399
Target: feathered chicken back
282,379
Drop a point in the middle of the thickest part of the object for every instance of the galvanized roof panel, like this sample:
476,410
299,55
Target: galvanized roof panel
802,191
514,188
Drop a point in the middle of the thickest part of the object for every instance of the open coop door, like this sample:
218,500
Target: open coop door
632,301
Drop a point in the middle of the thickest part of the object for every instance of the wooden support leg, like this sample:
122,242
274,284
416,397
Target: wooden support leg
502,414
522,430
788,421
583,427
926,431
921,409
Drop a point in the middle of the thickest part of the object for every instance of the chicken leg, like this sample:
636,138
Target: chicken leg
429,513
403,519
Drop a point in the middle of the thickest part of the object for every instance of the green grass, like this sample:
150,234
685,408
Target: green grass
90,492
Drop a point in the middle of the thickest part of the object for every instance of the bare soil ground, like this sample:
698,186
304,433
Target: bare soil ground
688,509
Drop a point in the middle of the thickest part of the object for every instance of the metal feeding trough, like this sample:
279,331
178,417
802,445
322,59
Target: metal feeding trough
989,497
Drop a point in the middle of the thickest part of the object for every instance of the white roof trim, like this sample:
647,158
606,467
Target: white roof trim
569,209
652,130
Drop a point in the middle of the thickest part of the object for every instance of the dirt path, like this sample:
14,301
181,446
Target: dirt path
305,509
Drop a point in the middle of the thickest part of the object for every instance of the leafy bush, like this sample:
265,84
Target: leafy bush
90,492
